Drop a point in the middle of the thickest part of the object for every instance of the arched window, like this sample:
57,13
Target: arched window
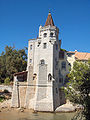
45,34
63,64
49,77
34,76
42,61
61,80
51,34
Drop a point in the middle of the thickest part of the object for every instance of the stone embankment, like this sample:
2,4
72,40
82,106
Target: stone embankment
68,107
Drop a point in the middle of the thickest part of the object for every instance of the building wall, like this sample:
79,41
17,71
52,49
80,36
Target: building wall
63,71
71,59
19,93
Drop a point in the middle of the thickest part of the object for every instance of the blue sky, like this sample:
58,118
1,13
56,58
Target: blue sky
20,20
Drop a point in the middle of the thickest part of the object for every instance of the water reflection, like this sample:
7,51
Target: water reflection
35,116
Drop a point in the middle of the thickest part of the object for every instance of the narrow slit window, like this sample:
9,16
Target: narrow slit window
30,60
44,45
63,65
51,34
30,47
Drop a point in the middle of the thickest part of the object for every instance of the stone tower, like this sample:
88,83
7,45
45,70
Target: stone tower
43,58
41,90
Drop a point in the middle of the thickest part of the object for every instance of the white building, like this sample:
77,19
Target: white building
73,56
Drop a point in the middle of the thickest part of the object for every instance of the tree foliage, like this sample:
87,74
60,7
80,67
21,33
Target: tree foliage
78,87
11,61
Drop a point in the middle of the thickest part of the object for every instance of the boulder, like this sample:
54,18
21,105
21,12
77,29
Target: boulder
66,108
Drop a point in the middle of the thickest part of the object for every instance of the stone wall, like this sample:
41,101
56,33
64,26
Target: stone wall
5,87
22,94
62,97
19,94
31,88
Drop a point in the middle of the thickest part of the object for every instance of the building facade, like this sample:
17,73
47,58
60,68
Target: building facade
73,56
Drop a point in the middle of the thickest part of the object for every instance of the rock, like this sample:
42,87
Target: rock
5,104
79,107
35,111
66,108
22,110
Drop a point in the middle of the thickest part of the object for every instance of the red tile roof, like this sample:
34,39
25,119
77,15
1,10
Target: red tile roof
49,20
21,73
82,55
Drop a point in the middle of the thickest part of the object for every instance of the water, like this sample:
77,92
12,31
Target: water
35,116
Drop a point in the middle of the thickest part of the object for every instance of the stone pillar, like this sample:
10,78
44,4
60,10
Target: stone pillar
15,102
29,87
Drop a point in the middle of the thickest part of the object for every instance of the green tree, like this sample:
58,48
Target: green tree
12,61
7,81
77,90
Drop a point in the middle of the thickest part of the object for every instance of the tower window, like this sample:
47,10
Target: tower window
61,54
42,61
56,47
49,77
30,47
63,65
45,34
51,34
69,64
30,60
59,72
56,90
60,80
44,45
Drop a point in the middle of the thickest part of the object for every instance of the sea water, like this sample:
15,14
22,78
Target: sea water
35,116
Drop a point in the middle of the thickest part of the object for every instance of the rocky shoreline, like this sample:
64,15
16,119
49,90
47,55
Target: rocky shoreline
68,107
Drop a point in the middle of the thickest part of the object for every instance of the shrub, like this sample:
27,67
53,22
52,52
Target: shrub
6,91
7,81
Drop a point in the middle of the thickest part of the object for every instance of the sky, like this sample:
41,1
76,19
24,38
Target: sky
20,21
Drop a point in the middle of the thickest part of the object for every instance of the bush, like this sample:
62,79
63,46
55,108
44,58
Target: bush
7,81
6,91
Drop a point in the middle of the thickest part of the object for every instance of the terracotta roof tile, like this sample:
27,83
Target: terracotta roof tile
82,55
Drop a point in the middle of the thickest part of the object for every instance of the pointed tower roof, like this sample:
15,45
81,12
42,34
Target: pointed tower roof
49,20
